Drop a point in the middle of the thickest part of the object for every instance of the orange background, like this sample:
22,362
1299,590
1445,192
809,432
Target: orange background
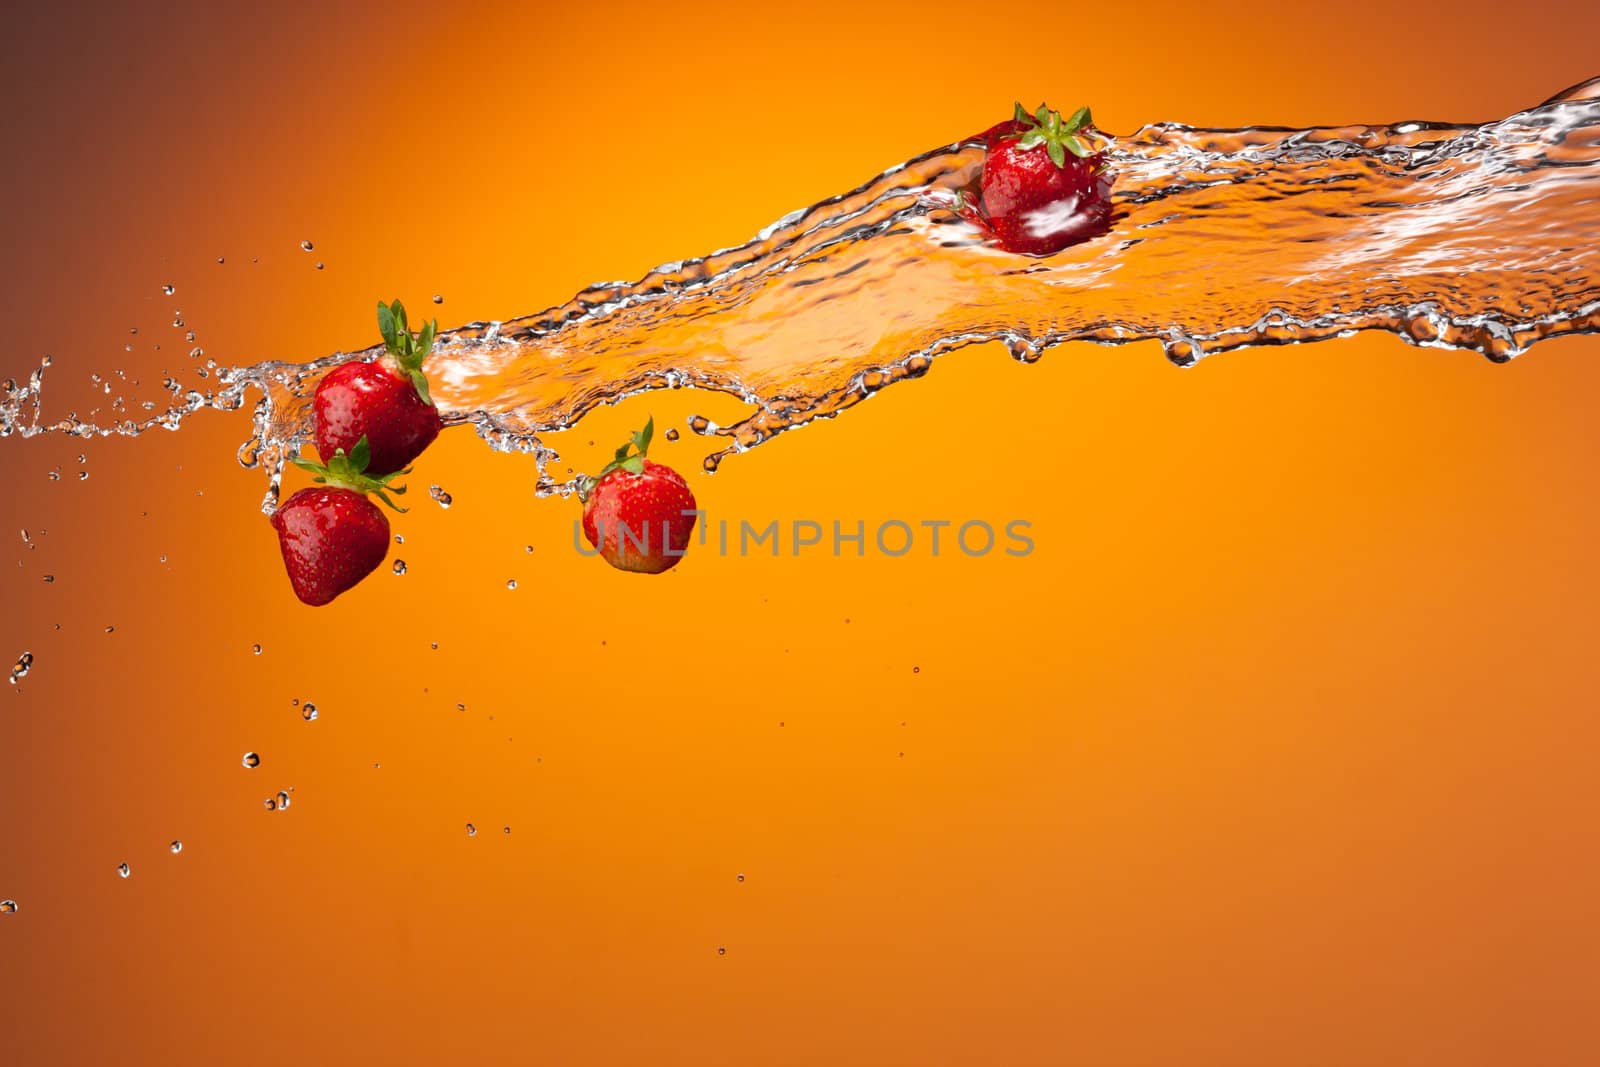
1277,750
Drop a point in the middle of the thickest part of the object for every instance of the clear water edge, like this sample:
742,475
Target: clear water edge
1480,237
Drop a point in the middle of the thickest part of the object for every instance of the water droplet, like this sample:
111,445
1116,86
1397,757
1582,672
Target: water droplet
319,264
916,670
438,493
50,578
177,324
461,707
434,645
8,907
399,540
220,259
672,434
283,800
83,476
255,649
721,951
111,629
176,847
528,549
512,584
399,566
23,666
506,829
472,831
270,804
251,761
309,713
740,877
169,289
55,476
122,870
306,246
438,298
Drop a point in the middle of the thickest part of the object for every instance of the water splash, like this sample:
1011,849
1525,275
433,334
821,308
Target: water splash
1482,237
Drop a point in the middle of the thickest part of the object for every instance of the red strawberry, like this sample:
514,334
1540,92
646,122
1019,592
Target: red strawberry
333,537
633,511
1043,188
385,401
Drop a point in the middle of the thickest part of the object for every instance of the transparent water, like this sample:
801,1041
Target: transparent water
1482,237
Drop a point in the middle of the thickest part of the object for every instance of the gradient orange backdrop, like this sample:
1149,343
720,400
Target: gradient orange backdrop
1277,750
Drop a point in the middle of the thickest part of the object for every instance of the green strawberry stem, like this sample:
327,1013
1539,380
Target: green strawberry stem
407,349
1047,128
349,472
626,459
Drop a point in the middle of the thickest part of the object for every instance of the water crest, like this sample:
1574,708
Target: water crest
1482,237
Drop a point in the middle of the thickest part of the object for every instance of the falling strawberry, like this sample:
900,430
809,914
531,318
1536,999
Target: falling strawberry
332,537
634,510
1043,186
386,401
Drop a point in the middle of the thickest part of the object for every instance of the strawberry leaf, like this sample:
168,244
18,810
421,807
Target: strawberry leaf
407,349
348,472
1047,128
420,380
386,325
630,458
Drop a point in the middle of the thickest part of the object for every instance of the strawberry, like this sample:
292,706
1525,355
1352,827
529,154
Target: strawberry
386,401
1043,188
333,537
634,509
